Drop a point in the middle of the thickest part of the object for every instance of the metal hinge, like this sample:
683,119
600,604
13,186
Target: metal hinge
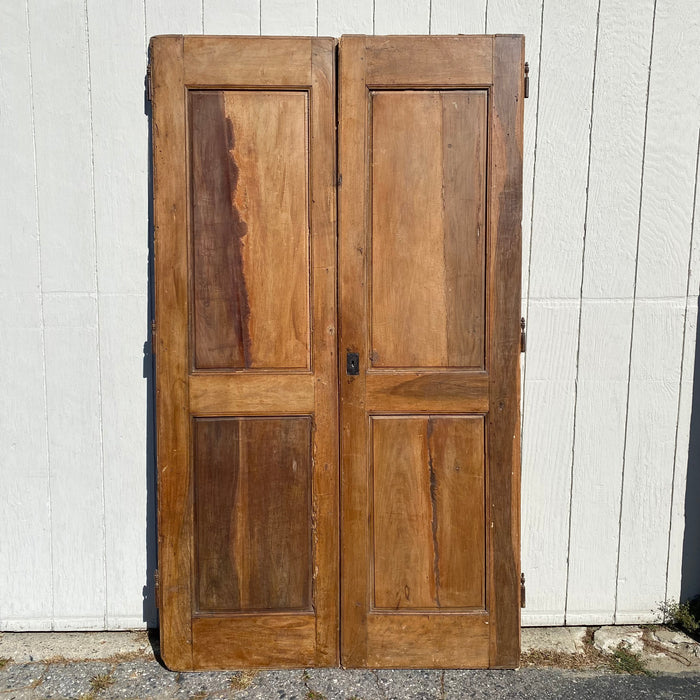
156,581
522,590
523,335
149,87
527,79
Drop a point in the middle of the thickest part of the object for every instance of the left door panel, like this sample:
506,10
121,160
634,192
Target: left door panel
246,378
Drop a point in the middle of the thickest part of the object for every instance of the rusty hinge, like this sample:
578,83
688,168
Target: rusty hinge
527,79
522,590
523,335
149,87
156,581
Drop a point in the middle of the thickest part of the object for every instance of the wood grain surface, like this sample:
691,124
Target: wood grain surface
250,228
428,228
252,495
262,484
436,335
428,479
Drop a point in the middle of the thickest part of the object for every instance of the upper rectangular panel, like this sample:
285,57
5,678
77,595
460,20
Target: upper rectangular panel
428,228
250,229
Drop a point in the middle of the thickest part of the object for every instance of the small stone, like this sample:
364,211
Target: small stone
608,639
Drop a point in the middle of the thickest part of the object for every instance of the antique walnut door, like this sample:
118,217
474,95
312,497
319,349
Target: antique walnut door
274,548
430,158
245,256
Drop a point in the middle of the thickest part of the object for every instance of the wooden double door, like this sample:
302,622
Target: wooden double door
337,344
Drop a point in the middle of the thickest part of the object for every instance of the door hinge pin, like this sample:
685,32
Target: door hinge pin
522,590
156,582
523,335
527,79
149,88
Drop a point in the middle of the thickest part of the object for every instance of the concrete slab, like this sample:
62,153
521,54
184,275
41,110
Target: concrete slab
23,647
564,640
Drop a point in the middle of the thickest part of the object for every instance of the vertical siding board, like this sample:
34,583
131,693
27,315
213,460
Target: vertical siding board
409,17
231,17
649,454
449,17
672,137
685,407
548,426
72,378
566,68
598,454
25,525
607,290
62,126
352,17
288,17
120,157
173,17
568,44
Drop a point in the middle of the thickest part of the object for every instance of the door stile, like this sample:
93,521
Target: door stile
505,207
171,289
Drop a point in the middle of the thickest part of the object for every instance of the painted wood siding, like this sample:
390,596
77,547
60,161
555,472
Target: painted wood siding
610,290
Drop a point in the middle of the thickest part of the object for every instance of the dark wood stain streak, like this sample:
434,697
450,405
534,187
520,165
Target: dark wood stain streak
215,490
434,512
221,310
464,154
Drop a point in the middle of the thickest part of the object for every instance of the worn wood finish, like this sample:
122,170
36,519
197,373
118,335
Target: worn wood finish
503,448
415,640
248,61
250,229
409,392
401,61
255,641
240,394
428,512
447,145
264,386
174,479
252,490
428,227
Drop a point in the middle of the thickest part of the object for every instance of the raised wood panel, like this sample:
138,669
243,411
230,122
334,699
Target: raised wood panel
250,229
428,477
428,228
252,485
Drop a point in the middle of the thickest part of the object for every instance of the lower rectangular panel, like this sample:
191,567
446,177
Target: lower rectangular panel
273,640
443,640
252,481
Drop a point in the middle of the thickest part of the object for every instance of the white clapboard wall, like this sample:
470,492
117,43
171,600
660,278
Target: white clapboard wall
610,291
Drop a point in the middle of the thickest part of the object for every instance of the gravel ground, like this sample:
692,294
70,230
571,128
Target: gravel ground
107,666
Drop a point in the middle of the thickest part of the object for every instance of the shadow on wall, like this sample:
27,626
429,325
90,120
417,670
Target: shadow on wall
150,611
690,571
